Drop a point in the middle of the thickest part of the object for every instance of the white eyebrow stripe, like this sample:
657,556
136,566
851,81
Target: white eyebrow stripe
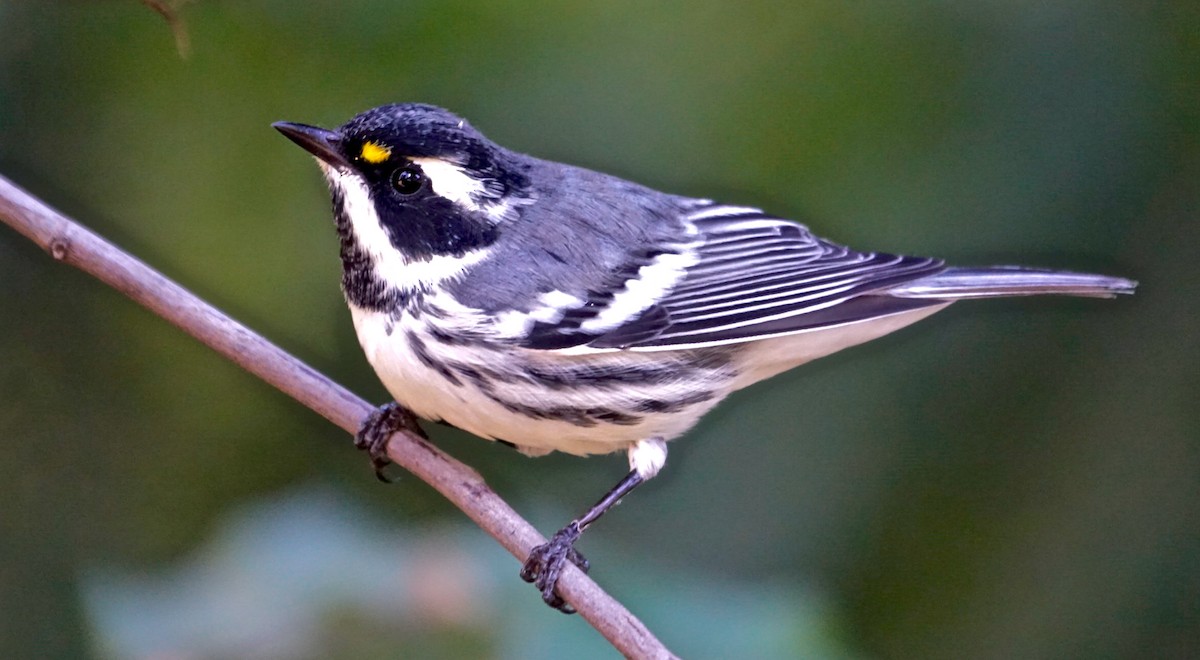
453,182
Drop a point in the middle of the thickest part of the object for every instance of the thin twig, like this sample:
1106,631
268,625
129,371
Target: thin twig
170,13
73,244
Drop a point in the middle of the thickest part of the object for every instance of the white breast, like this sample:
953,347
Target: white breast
429,394
415,385
413,366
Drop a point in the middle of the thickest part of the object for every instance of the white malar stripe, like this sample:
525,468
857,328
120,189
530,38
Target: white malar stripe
390,265
652,283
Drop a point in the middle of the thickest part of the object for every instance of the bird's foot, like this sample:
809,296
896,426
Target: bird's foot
546,562
378,428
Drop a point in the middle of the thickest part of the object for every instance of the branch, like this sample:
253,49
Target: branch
73,244
170,13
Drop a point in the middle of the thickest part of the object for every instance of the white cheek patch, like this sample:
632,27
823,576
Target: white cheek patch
390,265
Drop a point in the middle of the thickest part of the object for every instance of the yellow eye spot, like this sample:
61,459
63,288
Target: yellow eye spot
374,153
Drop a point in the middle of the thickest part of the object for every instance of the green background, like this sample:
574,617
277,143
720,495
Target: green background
1009,479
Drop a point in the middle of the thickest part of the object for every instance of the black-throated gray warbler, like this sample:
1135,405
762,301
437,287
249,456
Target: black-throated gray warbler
556,308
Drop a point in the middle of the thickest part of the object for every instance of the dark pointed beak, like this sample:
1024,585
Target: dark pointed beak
319,142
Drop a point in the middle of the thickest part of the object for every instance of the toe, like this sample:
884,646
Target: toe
377,430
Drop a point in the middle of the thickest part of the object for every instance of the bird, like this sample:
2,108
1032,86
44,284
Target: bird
555,308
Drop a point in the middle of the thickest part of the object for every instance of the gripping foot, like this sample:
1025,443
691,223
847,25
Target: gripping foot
378,428
546,563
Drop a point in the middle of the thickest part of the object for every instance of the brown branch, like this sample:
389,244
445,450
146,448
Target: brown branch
73,244
170,13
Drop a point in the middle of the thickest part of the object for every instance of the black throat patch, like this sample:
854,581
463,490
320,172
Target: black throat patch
361,286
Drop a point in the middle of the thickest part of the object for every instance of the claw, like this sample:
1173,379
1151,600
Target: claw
546,563
377,429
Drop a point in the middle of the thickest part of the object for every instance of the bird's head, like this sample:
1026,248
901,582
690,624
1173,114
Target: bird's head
414,184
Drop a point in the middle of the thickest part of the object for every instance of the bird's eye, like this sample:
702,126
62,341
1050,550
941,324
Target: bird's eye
408,180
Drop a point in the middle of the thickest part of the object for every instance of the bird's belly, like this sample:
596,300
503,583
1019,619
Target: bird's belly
767,357
540,401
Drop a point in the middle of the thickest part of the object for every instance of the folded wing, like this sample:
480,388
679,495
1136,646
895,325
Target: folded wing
742,275
757,275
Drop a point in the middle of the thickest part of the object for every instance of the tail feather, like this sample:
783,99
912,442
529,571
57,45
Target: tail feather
999,281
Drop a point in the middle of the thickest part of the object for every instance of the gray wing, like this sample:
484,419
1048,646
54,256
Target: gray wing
744,275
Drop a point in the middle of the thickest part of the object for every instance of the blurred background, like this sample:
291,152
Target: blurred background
1009,479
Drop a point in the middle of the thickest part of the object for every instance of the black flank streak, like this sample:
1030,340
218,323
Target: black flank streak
435,311
660,406
583,417
463,338
570,415
598,375
614,416
472,374
443,337
423,356
695,366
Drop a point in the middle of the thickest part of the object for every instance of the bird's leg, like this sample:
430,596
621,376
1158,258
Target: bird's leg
378,427
546,561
